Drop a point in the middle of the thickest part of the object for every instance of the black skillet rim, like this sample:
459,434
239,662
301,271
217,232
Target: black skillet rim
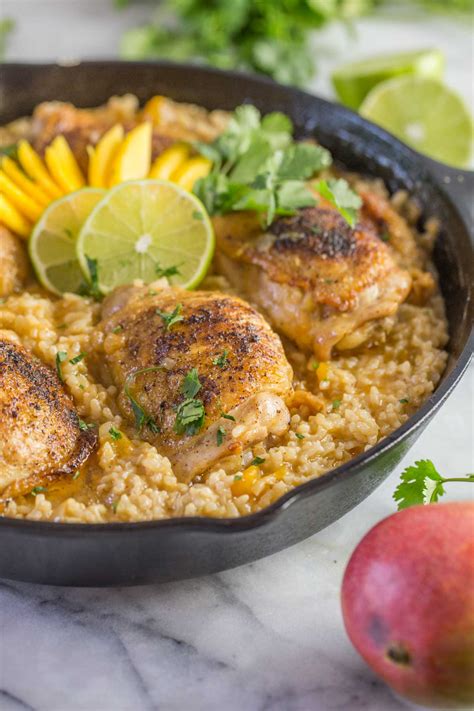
311,487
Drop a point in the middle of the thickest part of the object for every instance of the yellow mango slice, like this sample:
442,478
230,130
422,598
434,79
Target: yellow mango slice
22,202
63,166
133,157
101,157
152,109
12,219
35,168
169,161
187,174
32,189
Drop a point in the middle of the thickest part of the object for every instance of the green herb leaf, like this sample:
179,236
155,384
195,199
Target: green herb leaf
38,490
117,329
336,404
61,356
189,417
78,358
220,435
227,417
404,400
84,426
167,271
76,475
256,461
172,317
142,418
419,484
191,384
342,197
299,435
115,433
221,361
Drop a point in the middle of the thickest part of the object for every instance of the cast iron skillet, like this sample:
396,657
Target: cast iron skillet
120,553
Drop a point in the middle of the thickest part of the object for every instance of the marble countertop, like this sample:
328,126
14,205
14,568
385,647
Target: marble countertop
267,636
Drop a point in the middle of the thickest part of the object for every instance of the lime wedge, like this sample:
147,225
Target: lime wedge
145,229
424,113
52,244
352,82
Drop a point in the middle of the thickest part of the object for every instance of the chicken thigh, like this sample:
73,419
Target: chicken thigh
201,374
41,437
319,282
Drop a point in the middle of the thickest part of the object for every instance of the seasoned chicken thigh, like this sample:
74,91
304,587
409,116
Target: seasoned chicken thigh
319,282
202,374
14,267
40,434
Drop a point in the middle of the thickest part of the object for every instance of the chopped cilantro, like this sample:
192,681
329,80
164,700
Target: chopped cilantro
256,461
189,417
191,384
423,484
227,417
237,477
167,271
76,475
91,288
84,426
60,358
222,359
299,435
117,329
115,433
315,364
172,317
142,418
342,197
78,358
38,489
221,433
385,236
336,404
404,400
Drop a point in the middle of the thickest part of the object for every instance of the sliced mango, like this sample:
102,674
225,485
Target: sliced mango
35,168
63,166
13,219
169,161
32,189
187,174
133,157
244,483
23,203
101,157
152,109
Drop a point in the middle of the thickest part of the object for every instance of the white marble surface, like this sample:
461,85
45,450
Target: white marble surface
264,637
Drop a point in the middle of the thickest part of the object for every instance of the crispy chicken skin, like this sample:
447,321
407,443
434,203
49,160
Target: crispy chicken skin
40,437
248,384
319,282
14,266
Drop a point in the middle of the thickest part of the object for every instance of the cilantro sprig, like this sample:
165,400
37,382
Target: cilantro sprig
423,484
190,413
142,417
342,197
258,166
172,317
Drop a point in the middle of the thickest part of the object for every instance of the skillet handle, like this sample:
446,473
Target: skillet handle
459,184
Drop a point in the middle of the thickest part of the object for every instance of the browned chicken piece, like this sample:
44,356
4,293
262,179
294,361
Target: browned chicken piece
40,434
202,385
14,265
83,127
319,282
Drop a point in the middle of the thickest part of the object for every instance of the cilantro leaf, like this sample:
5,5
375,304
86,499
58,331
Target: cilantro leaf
173,270
142,418
114,433
303,160
172,317
339,194
222,359
61,356
191,384
189,417
220,435
420,484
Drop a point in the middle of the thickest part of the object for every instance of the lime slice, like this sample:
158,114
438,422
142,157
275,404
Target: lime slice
143,228
425,114
52,244
352,82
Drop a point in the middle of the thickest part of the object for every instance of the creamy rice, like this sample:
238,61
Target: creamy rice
357,400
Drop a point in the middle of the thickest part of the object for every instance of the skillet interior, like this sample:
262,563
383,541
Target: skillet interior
164,550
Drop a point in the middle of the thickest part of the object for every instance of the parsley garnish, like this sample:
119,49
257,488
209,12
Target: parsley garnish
227,417
221,433
115,433
222,359
142,418
78,358
190,413
172,317
423,484
60,358
257,166
256,461
299,435
84,426
91,287
166,271
342,197
38,489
